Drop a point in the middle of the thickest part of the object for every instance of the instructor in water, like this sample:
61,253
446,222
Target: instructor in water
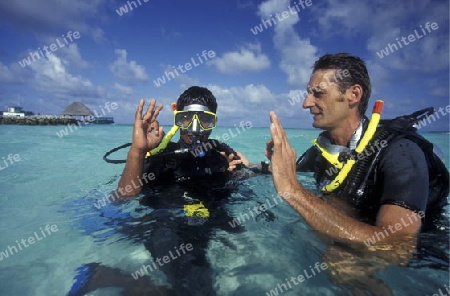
403,181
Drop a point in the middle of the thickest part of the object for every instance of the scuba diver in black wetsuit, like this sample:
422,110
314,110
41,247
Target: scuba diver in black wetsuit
381,183
185,183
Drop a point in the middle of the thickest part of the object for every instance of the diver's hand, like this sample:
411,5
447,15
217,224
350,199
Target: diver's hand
233,163
282,159
147,133
244,160
269,149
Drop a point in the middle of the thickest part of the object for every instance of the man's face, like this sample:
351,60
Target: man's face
328,105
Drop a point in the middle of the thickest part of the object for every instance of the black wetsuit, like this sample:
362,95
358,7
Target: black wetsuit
187,179
400,177
181,180
189,167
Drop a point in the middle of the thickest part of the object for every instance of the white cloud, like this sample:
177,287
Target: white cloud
13,73
254,102
388,22
333,15
247,59
425,54
51,76
127,71
297,54
123,89
71,56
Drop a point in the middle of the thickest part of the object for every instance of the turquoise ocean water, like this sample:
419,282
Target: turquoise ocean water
57,181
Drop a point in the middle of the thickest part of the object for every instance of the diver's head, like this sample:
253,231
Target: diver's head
196,115
197,95
348,71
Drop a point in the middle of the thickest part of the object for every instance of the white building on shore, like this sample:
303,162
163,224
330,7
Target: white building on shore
15,111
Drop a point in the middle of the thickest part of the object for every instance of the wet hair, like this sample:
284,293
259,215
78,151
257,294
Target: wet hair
357,70
197,95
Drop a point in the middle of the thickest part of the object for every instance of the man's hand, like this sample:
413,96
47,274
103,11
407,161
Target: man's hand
147,133
244,160
283,159
232,163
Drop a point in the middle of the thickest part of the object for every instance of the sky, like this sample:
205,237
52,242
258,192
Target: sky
255,56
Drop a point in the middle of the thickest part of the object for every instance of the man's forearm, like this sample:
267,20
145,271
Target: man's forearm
129,184
324,218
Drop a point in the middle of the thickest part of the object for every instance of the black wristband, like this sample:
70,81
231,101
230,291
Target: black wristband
264,168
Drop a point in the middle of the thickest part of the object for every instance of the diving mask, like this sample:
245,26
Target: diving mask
195,118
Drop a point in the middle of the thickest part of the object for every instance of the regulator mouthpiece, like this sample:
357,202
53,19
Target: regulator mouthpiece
197,145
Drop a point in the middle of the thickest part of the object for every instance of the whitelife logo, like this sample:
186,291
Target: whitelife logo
380,235
423,122
411,38
124,9
187,66
11,158
49,229
281,16
38,53
65,132
280,288
223,138
166,259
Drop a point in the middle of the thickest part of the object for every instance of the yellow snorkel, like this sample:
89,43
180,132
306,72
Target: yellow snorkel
370,132
164,142
166,138
332,158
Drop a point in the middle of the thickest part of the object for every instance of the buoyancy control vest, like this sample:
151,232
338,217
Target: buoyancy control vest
178,164
360,186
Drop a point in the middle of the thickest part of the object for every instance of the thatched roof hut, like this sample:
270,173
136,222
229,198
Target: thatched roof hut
77,109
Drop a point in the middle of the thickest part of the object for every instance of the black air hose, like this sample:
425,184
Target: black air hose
356,178
105,157
361,168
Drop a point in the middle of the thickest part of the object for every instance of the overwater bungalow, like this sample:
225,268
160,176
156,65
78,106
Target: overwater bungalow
84,115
